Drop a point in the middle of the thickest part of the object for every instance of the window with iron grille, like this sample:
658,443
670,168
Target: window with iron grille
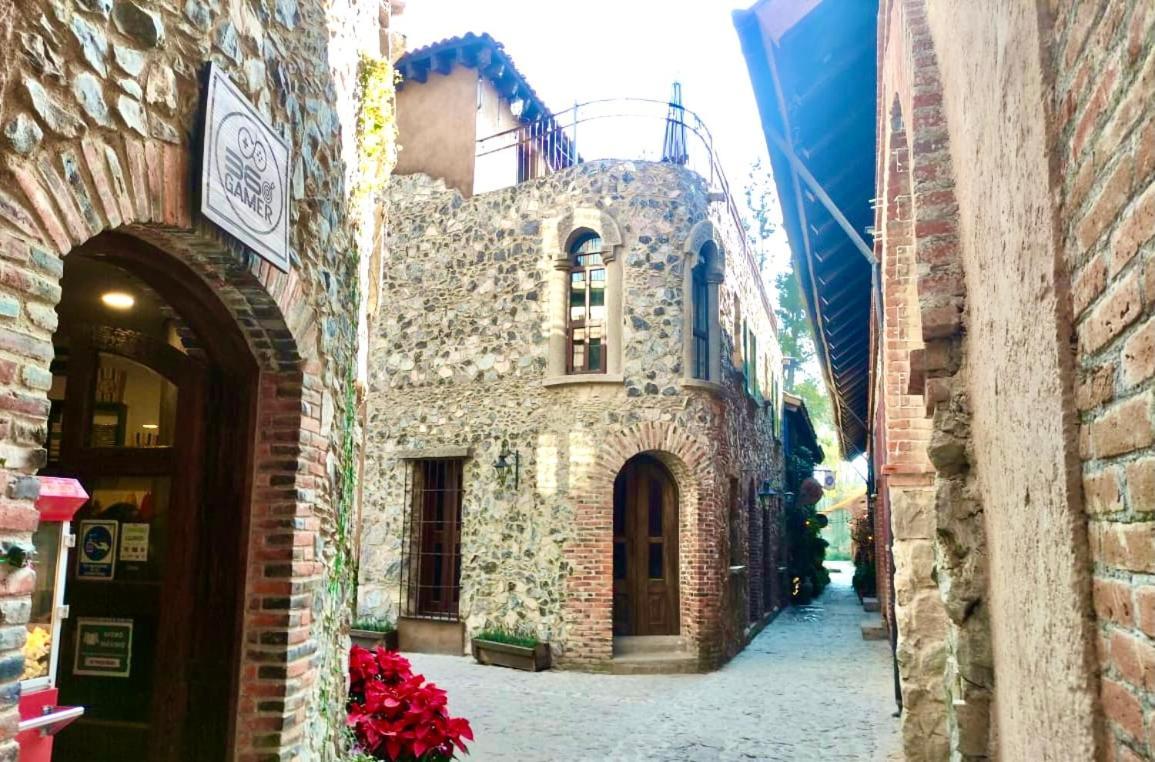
431,550
586,319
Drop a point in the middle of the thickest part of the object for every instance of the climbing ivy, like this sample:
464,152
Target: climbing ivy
376,140
376,122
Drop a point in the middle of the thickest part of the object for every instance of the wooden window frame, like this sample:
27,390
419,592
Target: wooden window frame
586,324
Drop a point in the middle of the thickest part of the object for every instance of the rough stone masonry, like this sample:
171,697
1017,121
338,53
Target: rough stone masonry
460,358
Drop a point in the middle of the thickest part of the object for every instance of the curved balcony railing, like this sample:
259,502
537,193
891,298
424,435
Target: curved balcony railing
609,128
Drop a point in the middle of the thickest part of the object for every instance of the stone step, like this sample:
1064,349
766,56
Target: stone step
647,644
870,604
873,629
670,663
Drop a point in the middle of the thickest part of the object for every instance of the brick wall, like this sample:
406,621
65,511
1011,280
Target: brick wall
917,356
1102,57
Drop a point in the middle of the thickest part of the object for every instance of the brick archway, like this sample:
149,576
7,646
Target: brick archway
142,188
939,538
588,608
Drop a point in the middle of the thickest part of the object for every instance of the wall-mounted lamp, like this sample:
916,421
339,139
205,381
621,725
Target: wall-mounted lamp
765,494
503,466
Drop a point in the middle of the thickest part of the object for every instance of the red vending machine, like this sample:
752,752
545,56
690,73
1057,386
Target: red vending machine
40,717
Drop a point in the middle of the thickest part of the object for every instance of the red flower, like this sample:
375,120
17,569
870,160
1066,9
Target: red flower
396,715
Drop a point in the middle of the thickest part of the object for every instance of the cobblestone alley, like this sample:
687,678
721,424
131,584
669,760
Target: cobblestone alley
807,688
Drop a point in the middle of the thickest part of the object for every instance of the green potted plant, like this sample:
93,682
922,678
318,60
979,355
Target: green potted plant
370,632
517,648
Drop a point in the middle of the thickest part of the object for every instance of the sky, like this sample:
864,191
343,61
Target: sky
578,52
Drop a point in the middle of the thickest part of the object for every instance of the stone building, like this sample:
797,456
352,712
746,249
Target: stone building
574,410
1009,363
204,396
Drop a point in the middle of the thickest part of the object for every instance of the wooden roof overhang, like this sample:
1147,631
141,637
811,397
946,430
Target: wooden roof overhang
795,407
814,70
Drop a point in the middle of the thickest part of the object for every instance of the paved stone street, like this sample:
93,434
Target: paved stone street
807,688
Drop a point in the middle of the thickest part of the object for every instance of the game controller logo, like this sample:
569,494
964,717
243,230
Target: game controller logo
244,171
251,179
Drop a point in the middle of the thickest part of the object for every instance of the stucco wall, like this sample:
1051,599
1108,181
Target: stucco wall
1019,380
460,356
436,127
497,170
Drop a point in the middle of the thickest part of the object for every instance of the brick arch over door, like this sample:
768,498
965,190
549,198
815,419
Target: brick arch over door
588,607
142,188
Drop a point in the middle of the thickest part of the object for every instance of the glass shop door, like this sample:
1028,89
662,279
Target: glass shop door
130,427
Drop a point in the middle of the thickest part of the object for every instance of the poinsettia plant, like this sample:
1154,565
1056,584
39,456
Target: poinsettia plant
396,715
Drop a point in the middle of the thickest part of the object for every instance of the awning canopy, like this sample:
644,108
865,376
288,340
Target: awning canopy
813,67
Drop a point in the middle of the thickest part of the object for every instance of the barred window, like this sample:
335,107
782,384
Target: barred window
431,554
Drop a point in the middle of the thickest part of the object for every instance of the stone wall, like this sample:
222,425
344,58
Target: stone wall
460,357
1100,83
98,108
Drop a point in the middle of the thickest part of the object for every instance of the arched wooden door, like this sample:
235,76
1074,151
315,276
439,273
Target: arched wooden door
645,564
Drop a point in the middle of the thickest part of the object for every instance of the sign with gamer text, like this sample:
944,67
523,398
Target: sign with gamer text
244,172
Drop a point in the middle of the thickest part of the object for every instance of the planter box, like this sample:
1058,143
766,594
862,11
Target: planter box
372,639
518,657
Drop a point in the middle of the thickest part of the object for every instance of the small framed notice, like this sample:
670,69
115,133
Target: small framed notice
103,647
96,558
134,542
244,172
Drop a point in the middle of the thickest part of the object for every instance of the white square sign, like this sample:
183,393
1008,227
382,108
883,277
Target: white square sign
244,172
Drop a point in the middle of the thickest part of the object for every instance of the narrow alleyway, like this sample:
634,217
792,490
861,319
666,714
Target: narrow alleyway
807,688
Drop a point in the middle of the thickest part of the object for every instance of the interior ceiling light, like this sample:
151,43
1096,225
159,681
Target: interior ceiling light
118,300
149,426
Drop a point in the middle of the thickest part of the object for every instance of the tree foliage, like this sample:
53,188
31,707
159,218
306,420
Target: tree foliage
793,324
806,548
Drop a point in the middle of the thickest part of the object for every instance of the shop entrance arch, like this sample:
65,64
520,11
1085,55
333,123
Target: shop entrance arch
153,396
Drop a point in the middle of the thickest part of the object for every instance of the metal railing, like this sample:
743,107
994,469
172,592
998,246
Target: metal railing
609,128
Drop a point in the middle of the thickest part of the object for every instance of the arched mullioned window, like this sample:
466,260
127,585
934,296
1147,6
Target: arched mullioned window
702,333
585,299
586,349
